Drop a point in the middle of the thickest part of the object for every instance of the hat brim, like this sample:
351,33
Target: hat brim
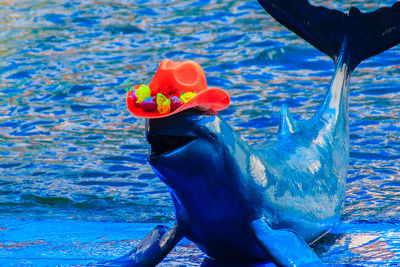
213,98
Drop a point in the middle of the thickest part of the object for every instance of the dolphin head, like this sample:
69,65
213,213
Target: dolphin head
206,165
187,148
209,169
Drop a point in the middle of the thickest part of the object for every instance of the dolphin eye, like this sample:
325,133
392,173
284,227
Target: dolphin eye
212,136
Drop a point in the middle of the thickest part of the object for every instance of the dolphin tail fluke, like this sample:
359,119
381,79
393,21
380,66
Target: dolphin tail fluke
372,33
367,34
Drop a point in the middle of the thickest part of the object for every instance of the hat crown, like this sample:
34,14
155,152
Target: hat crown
183,76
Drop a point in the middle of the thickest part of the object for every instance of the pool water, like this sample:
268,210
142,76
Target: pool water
71,152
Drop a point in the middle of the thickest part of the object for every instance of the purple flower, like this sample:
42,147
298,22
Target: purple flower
175,103
149,104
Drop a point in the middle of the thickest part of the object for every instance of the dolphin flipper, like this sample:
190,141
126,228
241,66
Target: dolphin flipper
284,246
151,250
368,34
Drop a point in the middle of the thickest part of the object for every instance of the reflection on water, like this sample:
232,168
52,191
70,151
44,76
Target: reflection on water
375,244
70,150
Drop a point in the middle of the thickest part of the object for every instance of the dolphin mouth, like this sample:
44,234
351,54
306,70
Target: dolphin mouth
165,144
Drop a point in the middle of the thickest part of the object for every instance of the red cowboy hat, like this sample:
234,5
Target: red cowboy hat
176,86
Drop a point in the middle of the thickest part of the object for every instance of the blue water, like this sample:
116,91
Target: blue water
70,151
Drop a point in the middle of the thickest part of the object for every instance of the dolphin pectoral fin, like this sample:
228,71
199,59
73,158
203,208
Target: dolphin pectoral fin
284,246
151,250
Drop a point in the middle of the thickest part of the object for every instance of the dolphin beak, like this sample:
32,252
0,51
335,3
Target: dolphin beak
171,134
162,145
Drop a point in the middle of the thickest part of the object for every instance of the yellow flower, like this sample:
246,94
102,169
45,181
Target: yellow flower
185,97
163,104
142,93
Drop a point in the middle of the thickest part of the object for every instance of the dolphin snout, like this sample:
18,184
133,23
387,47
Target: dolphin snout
164,144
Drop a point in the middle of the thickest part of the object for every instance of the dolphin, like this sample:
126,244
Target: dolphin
240,204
